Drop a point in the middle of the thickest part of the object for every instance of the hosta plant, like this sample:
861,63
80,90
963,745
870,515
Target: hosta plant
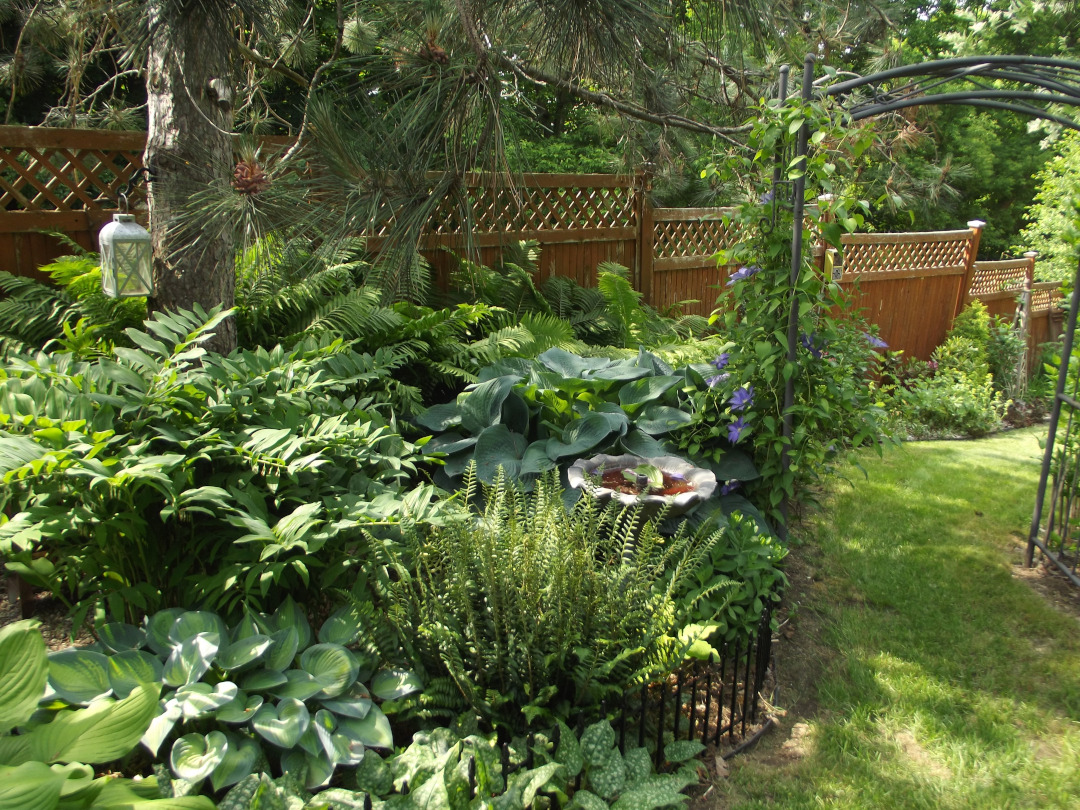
531,416
44,752
268,689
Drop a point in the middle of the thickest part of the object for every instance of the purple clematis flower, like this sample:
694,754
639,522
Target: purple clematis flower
813,344
767,197
742,398
720,361
716,379
735,430
729,486
742,274
875,341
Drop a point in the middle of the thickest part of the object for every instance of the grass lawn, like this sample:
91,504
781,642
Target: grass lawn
926,667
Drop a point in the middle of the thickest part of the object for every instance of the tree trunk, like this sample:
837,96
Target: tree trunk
188,150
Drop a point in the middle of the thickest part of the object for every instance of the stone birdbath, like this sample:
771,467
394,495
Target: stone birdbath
652,482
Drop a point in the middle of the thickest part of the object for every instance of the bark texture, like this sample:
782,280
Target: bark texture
188,149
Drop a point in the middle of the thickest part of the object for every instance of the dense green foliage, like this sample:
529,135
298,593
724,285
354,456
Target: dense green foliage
1051,221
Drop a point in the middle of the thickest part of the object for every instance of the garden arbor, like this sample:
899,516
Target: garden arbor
1028,85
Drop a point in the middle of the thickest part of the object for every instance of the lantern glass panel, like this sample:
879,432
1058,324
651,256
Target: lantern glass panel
126,258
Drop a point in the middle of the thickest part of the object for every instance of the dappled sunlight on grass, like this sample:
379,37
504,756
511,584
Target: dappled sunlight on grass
954,684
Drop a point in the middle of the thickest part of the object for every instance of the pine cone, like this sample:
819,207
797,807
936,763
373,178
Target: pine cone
249,178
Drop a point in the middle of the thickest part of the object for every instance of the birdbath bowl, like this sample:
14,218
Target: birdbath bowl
632,480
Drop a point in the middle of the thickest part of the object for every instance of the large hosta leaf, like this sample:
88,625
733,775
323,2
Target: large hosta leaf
391,684
158,627
283,650
497,447
244,652
24,670
103,732
195,756
580,436
284,724
239,761
332,666
188,662
161,726
201,699
481,404
646,390
299,684
373,731
79,677
119,637
262,680
657,419
37,786
289,614
192,623
356,702
342,627
316,770
130,668
240,709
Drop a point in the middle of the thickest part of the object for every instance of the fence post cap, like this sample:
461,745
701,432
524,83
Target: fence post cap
976,224
1031,254
827,197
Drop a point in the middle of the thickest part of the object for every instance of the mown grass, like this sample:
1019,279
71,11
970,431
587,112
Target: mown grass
950,682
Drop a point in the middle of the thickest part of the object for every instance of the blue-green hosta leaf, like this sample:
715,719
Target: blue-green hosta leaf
283,650
190,624
118,637
299,684
323,725
24,672
347,751
158,627
391,684
440,417
103,732
316,771
642,444
497,447
130,668
333,667
262,680
190,661
343,627
195,757
536,459
449,443
373,730
356,702
657,419
290,614
284,724
240,709
247,627
79,677
646,390
580,436
244,652
568,364
161,726
201,699
481,404
239,761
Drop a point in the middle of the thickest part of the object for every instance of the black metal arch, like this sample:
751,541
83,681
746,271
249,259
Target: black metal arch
979,81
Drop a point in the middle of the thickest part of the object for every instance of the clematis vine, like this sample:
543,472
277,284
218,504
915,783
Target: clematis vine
742,398
875,341
716,379
735,430
742,274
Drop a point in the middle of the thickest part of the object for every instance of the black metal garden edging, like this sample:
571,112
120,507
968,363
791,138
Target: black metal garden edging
975,81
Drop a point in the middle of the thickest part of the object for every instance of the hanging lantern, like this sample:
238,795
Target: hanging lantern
126,256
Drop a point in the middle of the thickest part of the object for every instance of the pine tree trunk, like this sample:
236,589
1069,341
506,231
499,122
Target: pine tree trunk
188,148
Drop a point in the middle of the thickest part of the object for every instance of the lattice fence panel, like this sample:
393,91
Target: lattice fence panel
676,238
889,255
1044,300
63,179
995,277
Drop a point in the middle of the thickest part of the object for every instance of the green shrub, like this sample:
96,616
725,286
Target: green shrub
526,604
166,475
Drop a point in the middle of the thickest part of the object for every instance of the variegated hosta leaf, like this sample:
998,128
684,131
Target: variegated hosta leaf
240,709
79,677
262,680
298,684
373,731
119,637
244,652
158,627
318,769
193,622
247,627
24,673
284,724
189,661
356,702
161,726
195,757
343,626
323,724
200,699
290,614
391,684
334,667
239,761
130,668
282,652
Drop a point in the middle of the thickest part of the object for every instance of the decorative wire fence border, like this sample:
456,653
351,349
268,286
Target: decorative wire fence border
648,712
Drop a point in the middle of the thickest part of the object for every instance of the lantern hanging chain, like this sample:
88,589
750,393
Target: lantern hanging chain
142,173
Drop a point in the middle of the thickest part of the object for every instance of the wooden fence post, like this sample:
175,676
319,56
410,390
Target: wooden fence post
976,226
645,235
